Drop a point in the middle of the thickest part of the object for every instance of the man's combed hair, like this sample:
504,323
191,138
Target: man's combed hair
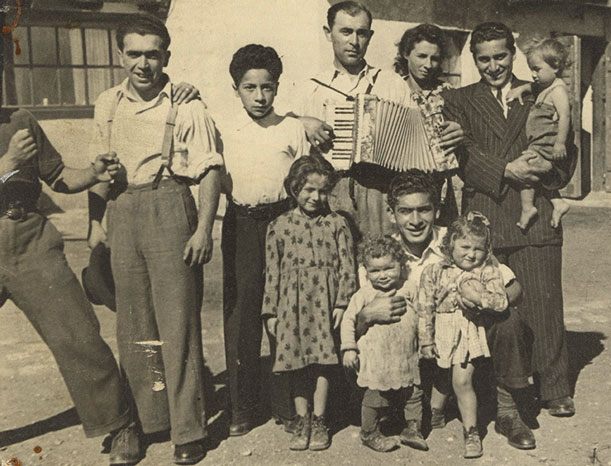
143,25
412,182
380,246
552,52
349,7
255,57
423,32
485,32
305,166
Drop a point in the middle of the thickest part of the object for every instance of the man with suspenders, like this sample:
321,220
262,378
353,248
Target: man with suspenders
158,241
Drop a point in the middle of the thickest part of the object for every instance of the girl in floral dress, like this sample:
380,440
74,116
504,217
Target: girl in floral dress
452,295
310,276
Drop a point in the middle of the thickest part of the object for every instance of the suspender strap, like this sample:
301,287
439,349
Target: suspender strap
111,117
167,145
372,83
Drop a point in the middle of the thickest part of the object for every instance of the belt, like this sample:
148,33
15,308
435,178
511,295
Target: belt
262,211
16,210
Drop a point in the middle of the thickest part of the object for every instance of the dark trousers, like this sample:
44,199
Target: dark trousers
159,307
243,246
539,271
36,276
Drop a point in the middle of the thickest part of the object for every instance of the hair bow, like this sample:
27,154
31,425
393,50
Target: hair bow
474,215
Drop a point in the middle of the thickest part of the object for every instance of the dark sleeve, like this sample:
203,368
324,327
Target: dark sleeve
479,169
50,163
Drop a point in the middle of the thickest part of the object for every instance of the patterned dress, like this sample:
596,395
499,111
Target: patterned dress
309,271
441,319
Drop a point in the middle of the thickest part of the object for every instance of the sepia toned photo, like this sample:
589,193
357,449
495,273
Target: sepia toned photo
305,232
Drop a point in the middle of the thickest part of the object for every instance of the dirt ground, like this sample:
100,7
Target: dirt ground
39,426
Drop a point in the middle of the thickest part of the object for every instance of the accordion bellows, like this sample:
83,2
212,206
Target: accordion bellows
385,133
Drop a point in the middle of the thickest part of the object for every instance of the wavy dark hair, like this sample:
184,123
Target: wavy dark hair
423,32
485,32
255,57
305,166
411,182
472,223
143,25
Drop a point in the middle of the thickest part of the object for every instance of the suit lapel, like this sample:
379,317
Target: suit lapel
516,119
490,110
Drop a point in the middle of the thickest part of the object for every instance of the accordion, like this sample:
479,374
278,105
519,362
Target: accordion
385,133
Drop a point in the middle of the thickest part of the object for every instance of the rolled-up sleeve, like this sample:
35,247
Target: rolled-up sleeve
196,130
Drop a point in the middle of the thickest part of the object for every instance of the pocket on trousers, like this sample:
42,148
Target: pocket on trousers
190,210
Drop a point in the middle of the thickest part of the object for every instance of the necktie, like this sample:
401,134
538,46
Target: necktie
499,97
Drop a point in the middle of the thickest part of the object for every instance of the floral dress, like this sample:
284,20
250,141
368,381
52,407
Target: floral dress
441,320
309,272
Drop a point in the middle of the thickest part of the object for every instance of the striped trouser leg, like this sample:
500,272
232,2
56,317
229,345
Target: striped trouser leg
539,271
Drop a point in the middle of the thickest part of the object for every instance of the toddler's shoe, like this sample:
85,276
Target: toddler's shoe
319,438
473,444
438,418
378,442
301,435
412,437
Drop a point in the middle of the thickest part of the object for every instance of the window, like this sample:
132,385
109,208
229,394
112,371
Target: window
59,67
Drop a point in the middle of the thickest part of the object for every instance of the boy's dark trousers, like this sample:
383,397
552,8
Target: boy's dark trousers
36,276
243,246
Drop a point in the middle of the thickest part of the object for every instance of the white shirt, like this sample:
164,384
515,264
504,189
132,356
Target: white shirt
138,129
504,91
258,159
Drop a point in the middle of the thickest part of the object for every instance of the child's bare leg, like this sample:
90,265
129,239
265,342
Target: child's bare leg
561,207
320,395
529,211
439,395
319,439
465,394
301,388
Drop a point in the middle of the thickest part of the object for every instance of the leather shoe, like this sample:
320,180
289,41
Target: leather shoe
561,407
518,434
237,429
189,453
126,448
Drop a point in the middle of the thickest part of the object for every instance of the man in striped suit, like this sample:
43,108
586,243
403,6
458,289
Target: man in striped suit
494,166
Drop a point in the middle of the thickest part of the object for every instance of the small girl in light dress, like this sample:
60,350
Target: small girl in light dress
309,277
452,294
386,357
549,120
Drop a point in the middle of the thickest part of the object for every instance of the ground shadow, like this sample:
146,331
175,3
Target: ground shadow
54,423
582,347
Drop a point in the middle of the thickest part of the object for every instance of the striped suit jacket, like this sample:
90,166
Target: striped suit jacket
491,141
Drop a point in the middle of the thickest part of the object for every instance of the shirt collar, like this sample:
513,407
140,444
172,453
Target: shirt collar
434,246
242,119
368,72
166,92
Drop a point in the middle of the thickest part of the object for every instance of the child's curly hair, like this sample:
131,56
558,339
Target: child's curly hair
552,52
380,246
305,166
411,182
254,57
472,223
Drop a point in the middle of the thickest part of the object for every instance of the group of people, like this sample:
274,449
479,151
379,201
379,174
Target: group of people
414,291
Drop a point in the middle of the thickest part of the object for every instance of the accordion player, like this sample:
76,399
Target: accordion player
377,131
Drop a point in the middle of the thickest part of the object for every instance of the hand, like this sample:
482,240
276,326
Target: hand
522,170
319,133
198,250
272,324
350,360
185,92
21,148
338,313
559,151
97,235
429,351
384,310
452,135
106,166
